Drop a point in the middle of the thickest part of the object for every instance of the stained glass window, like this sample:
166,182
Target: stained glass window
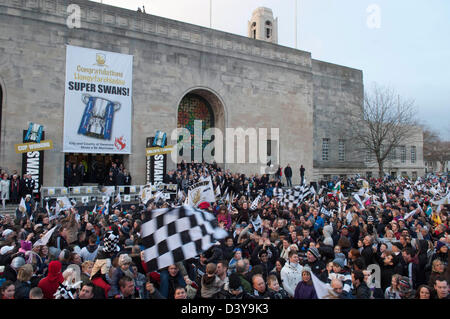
193,107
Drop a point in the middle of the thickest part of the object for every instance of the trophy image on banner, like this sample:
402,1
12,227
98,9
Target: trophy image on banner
160,139
98,117
34,133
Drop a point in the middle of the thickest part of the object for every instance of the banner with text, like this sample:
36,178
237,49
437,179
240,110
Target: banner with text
156,165
98,101
33,164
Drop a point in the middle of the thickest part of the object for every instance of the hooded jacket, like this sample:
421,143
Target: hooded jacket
50,284
291,275
327,232
210,286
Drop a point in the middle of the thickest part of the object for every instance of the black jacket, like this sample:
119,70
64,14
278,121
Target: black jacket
288,171
362,292
368,255
120,178
10,274
22,290
280,294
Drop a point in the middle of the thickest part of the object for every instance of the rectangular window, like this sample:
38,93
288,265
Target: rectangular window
325,148
341,150
369,156
413,154
403,153
393,154
368,175
414,175
404,174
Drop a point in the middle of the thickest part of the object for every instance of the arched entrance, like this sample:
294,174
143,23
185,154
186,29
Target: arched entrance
205,106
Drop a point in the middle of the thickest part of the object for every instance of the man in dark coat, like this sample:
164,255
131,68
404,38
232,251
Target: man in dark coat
288,174
367,251
67,174
302,174
360,290
120,178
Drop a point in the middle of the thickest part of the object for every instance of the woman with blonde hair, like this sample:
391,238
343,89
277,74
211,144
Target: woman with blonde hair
393,292
23,283
437,269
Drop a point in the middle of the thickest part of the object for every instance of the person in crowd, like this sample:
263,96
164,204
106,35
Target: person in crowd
5,185
441,288
51,282
211,284
291,274
288,175
87,291
360,289
36,293
423,292
7,290
170,279
305,288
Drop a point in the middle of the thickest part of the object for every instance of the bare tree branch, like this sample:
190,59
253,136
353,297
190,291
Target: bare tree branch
387,122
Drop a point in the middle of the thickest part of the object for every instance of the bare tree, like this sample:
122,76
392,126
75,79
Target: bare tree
435,149
387,122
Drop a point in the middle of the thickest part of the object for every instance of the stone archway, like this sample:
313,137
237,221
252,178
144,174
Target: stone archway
205,105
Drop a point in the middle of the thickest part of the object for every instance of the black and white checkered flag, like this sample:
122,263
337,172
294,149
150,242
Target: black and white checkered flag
296,195
111,242
278,193
175,234
254,204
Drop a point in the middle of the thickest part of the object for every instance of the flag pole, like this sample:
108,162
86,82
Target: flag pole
210,14
296,24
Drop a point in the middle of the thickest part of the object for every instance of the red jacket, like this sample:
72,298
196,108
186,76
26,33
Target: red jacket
50,284
99,282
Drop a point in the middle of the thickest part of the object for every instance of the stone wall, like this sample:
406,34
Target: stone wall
338,93
259,84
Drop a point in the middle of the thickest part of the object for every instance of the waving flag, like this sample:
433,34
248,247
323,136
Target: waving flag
170,235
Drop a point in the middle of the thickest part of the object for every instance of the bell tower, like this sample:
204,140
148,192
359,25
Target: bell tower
263,26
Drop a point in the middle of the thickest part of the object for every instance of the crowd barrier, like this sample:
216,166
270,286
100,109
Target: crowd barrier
95,195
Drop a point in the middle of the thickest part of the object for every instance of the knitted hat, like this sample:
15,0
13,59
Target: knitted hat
6,249
124,259
314,251
339,256
340,262
6,232
439,245
306,268
404,285
236,249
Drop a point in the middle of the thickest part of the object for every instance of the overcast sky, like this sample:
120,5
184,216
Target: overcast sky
406,46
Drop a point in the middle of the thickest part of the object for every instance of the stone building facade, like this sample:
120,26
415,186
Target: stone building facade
244,83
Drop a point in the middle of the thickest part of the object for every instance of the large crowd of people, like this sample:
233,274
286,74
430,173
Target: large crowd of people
389,243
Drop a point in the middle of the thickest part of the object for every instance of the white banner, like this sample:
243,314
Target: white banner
201,192
98,101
